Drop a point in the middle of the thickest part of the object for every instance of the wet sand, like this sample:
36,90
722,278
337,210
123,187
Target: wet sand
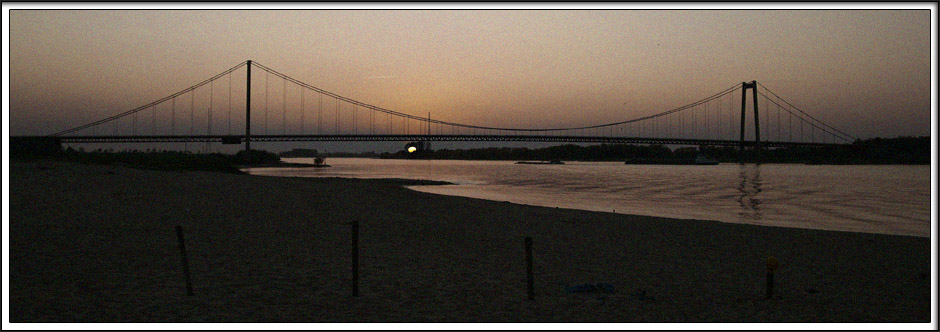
93,243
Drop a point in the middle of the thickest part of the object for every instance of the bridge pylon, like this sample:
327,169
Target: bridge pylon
753,86
248,110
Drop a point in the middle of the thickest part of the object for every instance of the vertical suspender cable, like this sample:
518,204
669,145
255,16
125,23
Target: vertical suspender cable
681,121
319,118
266,102
731,116
706,120
790,126
302,111
192,114
778,122
284,108
209,113
192,117
229,103
718,118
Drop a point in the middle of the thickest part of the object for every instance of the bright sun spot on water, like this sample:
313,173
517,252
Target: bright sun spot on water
412,149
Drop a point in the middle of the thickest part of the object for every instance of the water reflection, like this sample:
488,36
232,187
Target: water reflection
750,189
880,199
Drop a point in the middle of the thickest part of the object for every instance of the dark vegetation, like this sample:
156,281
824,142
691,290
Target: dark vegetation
878,151
370,154
901,150
156,160
299,153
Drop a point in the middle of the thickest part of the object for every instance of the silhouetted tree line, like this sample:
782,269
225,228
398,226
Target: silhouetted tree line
370,154
299,153
901,150
161,160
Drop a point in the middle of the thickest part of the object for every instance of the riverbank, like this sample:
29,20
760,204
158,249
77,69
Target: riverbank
280,164
95,243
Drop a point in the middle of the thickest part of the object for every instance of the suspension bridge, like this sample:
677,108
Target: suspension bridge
233,108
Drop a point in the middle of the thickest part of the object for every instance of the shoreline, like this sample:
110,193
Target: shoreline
276,249
598,210
280,165
624,162
853,225
410,183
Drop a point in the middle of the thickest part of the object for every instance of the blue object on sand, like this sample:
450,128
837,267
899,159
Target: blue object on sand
582,288
605,287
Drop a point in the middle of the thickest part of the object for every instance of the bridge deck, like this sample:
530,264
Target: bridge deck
433,138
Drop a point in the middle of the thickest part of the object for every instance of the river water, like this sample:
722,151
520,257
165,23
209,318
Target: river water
874,199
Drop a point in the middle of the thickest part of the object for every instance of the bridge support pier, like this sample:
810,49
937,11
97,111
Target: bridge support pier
753,86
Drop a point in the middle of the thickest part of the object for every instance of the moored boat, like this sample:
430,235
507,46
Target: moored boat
705,160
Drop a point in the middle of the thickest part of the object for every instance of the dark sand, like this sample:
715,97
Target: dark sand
87,245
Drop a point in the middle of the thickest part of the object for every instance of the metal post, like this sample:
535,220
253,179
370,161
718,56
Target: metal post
530,283
772,265
770,285
248,110
185,260
355,258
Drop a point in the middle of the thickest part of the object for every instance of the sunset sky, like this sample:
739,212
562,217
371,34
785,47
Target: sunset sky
864,72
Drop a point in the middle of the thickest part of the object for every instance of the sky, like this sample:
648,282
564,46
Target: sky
865,72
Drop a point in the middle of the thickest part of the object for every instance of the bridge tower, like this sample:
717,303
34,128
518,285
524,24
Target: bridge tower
753,86
248,110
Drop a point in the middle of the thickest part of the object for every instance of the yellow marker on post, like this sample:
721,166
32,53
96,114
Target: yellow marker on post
772,265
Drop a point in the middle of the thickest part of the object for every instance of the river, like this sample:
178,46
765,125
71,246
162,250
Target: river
888,199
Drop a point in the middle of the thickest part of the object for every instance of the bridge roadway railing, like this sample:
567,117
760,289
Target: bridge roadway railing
433,138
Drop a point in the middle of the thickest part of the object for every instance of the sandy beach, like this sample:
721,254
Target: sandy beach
93,243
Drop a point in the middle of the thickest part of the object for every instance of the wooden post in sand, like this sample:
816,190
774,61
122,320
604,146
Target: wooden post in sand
772,265
179,237
530,282
355,258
